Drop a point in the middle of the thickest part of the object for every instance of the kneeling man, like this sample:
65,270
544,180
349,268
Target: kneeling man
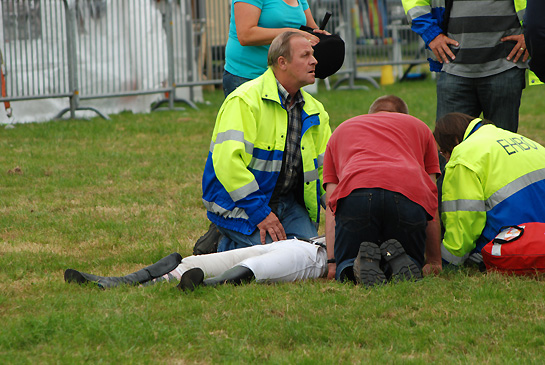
379,174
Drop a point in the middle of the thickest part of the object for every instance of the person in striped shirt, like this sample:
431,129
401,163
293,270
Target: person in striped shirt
479,49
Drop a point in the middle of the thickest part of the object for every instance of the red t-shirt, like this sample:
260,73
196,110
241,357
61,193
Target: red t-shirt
392,151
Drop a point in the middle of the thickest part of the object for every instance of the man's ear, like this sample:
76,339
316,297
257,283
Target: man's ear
282,62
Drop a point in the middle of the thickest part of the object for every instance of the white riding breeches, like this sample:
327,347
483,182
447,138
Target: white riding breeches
282,261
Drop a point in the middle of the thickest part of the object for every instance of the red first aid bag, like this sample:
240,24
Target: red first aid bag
518,250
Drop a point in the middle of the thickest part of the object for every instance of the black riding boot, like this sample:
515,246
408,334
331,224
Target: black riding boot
156,270
235,275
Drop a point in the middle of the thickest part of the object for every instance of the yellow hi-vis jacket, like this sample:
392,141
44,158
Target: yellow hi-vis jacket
245,156
494,178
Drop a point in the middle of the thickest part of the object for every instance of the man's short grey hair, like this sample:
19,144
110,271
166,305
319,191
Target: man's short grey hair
280,47
389,103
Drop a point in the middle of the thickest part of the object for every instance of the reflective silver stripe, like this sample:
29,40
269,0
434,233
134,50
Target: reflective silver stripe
244,191
216,209
496,250
496,198
323,201
438,3
514,186
475,258
232,135
265,165
418,11
450,258
520,14
320,159
311,175
465,205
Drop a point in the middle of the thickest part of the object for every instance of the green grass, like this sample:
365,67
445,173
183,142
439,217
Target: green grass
109,197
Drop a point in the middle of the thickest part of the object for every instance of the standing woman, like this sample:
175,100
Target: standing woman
254,24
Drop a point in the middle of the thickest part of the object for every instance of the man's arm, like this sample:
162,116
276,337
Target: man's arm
433,243
423,21
534,36
250,34
321,146
330,232
427,24
233,144
433,247
464,212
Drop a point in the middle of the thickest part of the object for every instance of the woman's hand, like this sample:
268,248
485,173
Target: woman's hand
314,40
321,31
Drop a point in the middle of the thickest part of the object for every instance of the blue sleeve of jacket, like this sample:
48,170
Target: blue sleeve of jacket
427,27
425,19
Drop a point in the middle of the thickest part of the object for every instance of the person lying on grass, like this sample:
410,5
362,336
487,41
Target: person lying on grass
282,261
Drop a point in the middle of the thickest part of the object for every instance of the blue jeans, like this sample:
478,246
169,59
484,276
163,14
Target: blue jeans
291,214
497,96
231,82
376,215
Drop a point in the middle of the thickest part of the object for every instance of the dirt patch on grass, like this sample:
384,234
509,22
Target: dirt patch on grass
32,247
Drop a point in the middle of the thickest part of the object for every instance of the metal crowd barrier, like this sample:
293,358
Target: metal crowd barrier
24,55
376,33
70,48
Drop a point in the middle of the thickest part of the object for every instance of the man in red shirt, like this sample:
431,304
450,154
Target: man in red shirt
380,171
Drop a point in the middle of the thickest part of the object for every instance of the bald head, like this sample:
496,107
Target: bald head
389,103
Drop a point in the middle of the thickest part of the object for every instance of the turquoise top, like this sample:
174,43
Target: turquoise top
251,61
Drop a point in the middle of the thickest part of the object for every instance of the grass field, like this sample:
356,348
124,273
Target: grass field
111,196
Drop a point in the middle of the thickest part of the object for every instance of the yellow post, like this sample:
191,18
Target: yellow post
387,75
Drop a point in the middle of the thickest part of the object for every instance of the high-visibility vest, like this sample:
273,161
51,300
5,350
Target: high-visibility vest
245,156
494,178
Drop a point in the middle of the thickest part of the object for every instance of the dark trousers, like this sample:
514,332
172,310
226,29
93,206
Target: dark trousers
497,96
376,215
231,82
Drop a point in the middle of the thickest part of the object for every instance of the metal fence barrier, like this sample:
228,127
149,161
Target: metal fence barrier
96,49
24,54
376,33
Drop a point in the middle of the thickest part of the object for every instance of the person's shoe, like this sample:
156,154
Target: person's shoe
73,276
191,279
367,269
403,268
208,242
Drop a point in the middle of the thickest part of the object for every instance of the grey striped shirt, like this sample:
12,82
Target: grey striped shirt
479,25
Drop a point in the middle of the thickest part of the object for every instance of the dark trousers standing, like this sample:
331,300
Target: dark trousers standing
497,96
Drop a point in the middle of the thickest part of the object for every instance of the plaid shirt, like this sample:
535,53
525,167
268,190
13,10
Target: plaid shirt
292,163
